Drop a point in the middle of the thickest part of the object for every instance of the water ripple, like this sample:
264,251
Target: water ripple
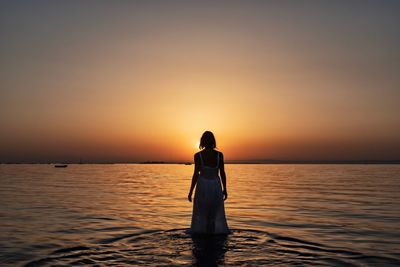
176,247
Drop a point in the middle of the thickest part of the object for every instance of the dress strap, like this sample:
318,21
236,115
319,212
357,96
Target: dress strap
201,159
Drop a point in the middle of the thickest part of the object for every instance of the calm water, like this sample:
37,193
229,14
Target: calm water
281,215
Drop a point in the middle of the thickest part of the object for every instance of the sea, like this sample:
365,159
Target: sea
138,215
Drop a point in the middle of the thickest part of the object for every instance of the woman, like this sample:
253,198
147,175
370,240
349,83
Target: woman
208,208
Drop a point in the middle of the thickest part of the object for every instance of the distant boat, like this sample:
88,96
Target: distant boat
188,163
61,166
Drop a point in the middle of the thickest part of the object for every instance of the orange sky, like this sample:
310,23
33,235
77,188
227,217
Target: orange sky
133,81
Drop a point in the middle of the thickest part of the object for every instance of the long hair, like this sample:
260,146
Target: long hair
207,140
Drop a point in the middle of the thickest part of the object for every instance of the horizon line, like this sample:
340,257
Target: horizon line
261,161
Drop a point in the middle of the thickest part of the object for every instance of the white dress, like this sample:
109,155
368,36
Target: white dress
208,206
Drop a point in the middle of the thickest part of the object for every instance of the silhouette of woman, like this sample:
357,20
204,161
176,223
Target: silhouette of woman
208,207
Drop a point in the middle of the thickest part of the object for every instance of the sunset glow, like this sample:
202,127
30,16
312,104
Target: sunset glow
137,81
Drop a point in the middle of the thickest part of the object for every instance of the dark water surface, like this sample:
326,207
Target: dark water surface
280,215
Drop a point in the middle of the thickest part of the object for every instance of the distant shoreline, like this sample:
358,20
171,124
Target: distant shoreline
309,162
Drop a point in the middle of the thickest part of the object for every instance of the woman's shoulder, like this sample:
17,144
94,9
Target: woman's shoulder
197,155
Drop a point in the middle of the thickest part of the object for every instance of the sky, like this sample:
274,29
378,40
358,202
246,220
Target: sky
125,81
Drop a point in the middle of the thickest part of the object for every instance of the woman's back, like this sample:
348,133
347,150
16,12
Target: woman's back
209,157
209,164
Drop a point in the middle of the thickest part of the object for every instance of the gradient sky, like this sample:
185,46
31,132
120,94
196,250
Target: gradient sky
141,80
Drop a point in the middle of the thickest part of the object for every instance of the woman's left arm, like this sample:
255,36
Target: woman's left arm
194,177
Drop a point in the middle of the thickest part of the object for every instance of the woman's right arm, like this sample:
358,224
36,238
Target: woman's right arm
194,177
223,175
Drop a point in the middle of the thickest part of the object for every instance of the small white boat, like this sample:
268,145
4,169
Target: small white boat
61,166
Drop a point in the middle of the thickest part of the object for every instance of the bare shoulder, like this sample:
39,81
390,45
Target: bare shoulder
197,156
